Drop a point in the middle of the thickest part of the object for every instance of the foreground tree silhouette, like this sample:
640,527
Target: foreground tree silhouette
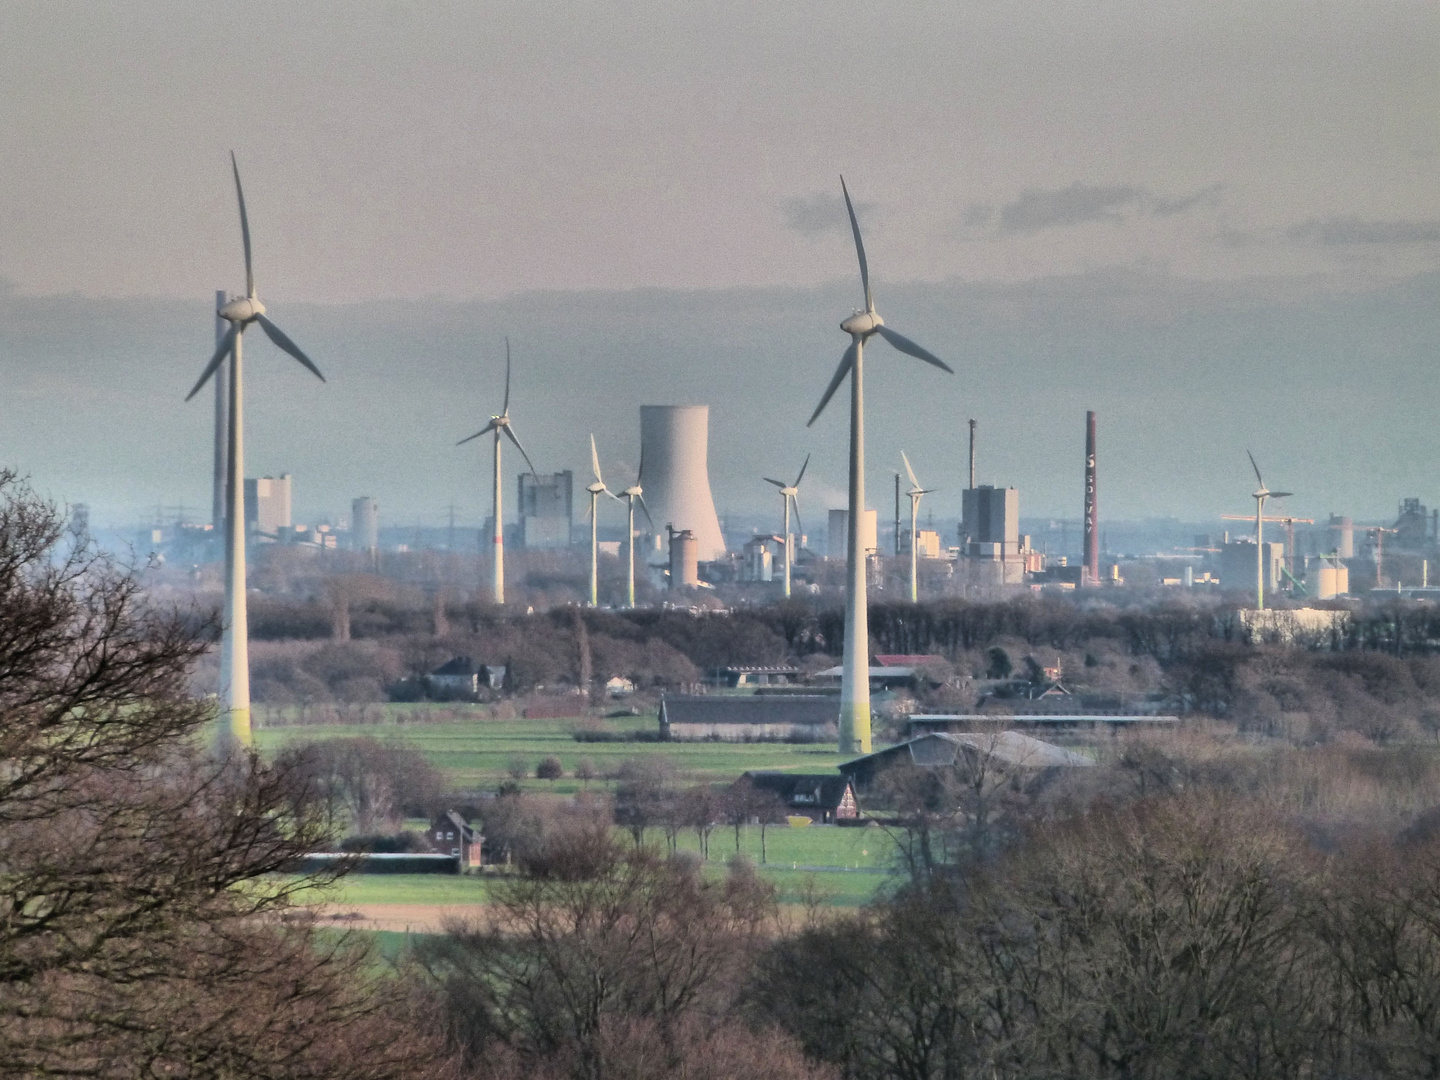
141,931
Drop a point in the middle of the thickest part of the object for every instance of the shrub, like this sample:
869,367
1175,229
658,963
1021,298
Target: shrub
549,768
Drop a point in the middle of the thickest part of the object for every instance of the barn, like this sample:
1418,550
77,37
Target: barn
757,718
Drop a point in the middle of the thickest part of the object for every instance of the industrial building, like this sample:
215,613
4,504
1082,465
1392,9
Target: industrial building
836,539
546,505
1238,564
993,550
365,524
267,506
674,472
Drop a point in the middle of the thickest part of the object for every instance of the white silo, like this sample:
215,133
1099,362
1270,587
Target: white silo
674,448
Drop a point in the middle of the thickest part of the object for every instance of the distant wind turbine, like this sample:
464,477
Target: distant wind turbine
915,493
861,326
234,641
497,425
1260,495
631,493
596,489
790,493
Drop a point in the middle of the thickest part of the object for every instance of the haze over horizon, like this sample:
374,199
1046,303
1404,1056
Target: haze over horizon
1217,226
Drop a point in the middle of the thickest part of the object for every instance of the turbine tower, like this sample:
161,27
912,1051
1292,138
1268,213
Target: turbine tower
596,489
497,425
788,494
915,492
631,493
861,326
234,641
217,481
1260,496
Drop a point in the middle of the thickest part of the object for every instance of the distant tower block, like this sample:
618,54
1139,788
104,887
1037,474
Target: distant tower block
674,450
365,524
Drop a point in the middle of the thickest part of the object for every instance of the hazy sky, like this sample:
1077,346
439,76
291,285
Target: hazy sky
1284,153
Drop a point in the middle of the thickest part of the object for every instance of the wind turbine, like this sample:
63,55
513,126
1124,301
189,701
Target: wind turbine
915,492
234,641
861,326
497,425
1261,494
596,489
631,493
788,494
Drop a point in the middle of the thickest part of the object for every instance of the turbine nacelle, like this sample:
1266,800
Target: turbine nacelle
633,492
597,488
862,324
241,310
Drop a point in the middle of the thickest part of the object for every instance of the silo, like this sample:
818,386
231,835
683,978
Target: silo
674,448
684,560
365,524
1342,536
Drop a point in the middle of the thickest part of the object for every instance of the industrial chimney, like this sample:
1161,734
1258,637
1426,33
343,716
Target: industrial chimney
674,446
1090,571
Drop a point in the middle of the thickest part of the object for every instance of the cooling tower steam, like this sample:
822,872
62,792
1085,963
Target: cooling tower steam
674,451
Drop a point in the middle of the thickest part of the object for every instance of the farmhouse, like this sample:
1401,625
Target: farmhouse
822,797
463,677
791,717
451,834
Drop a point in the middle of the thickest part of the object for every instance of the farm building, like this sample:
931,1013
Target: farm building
791,717
463,677
451,834
822,797
1008,751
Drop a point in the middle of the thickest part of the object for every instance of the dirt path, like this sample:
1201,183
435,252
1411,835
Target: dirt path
414,918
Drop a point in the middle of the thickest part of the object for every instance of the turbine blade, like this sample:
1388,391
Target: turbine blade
505,409
648,518
846,363
224,349
909,471
595,461
1280,494
244,229
275,334
640,472
768,480
510,434
802,472
488,427
1255,467
905,345
859,247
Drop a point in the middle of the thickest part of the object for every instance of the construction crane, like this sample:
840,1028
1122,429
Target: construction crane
1379,532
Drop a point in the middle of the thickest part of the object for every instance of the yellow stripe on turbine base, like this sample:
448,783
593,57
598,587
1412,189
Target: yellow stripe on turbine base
855,727
234,729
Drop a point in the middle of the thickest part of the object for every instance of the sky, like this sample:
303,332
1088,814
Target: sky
1217,224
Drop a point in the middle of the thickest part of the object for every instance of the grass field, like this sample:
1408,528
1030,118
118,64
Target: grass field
477,754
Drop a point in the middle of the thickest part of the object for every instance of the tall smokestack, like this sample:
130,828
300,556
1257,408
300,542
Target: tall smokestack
972,454
1090,571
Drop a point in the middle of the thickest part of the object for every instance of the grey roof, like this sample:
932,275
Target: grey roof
1006,747
815,709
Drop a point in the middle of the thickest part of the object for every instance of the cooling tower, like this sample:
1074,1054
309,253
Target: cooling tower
674,442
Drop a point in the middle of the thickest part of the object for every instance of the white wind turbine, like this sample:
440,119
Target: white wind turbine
861,326
500,424
234,641
631,493
790,493
596,489
915,492
1260,495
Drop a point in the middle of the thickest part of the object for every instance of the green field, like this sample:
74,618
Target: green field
476,755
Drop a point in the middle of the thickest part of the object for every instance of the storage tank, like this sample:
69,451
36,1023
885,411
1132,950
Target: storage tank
674,471
1329,579
365,524
684,560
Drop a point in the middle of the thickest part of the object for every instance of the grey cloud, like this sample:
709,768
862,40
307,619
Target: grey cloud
1337,232
815,215
1080,204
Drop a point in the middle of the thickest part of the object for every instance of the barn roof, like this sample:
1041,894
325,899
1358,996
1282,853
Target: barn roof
941,748
817,709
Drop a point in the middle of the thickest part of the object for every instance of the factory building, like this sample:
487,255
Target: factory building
674,471
990,542
546,507
1238,564
837,538
267,506
365,524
